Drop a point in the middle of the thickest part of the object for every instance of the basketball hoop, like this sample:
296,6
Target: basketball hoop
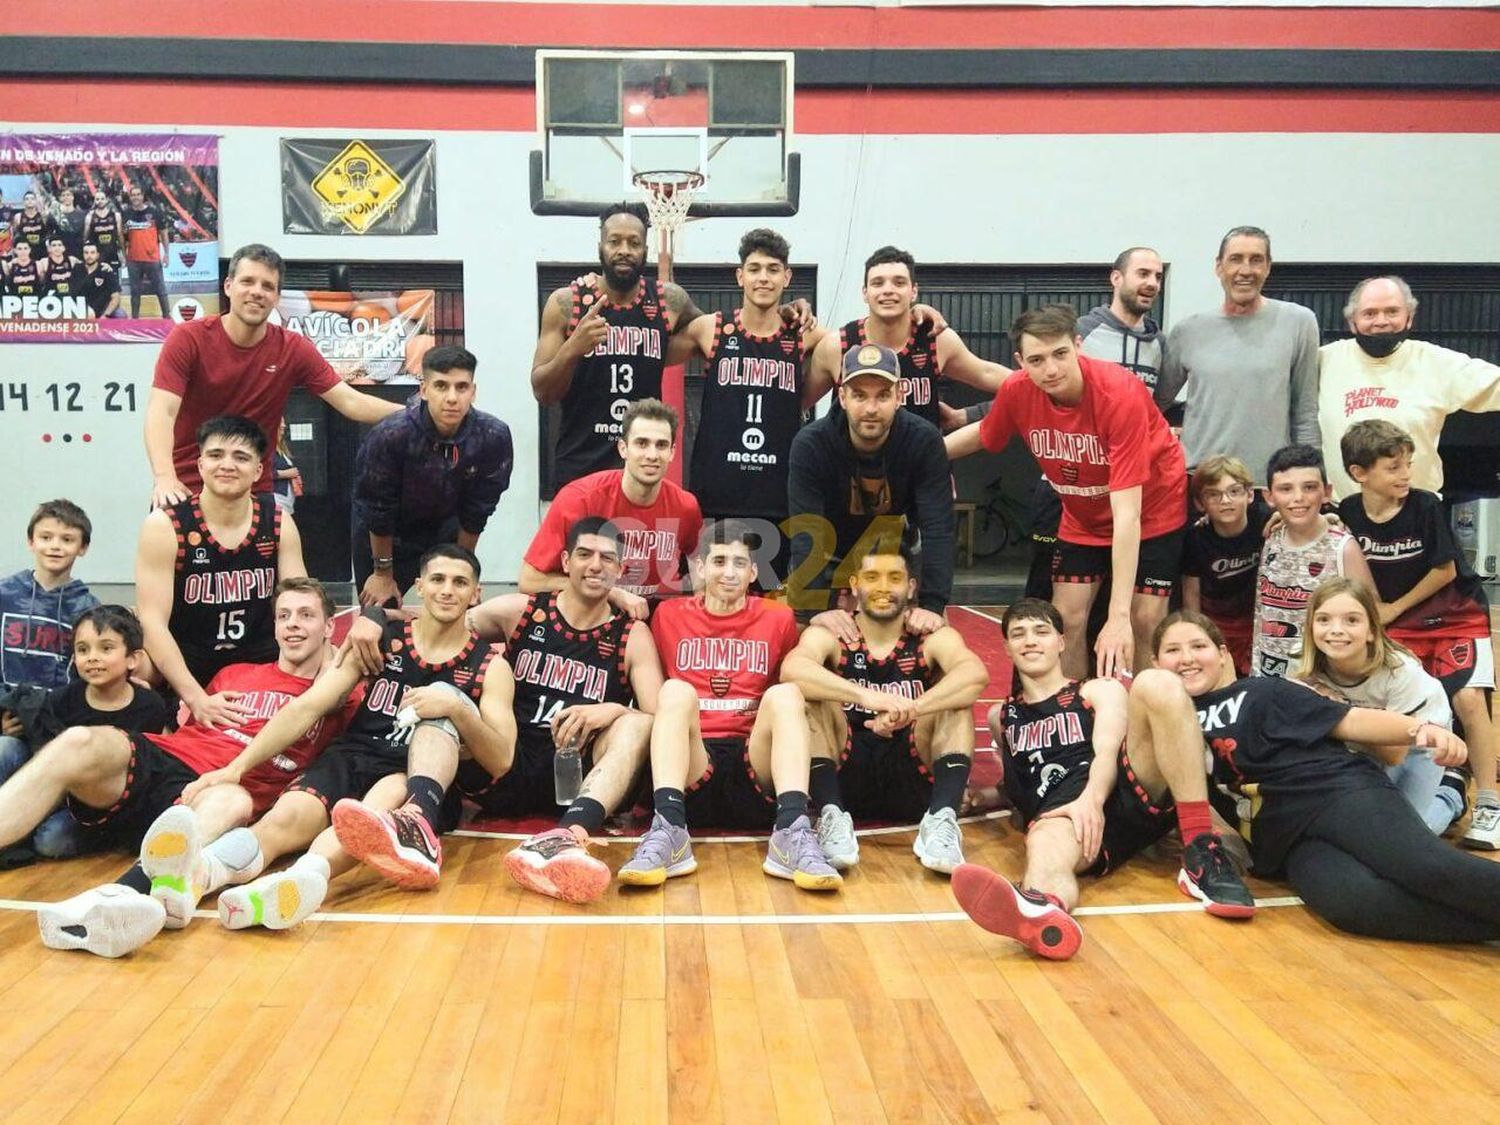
668,195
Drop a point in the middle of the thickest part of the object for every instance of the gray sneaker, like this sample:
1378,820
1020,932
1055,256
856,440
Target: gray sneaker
836,837
665,851
1484,829
939,843
794,854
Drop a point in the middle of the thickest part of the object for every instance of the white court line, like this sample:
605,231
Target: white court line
703,919
890,830
978,613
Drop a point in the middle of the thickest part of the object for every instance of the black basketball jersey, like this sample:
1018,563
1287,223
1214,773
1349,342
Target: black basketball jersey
752,409
404,669
65,278
1045,742
24,281
223,609
31,229
903,671
624,367
105,234
557,666
919,366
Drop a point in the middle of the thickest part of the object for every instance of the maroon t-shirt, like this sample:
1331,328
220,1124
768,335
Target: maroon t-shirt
213,375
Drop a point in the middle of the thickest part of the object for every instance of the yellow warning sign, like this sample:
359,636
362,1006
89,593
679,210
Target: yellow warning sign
357,187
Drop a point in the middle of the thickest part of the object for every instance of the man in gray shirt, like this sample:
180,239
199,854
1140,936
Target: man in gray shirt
1250,366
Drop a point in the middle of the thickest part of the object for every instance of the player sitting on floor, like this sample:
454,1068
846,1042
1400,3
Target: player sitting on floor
1087,803
892,715
578,664
120,783
438,689
725,725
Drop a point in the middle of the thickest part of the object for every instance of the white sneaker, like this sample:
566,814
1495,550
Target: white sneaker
836,837
172,858
109,921
277,902
1484,829
939,843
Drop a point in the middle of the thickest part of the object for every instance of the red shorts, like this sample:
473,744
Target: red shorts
1456,662
1238,635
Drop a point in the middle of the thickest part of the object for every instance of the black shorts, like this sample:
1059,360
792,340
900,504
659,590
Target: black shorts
1156,572
154,780
528,789
350,767
883,778
1131,822
729,795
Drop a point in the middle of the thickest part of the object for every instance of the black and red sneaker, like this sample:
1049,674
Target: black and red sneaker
401,845
1208,875
1032,919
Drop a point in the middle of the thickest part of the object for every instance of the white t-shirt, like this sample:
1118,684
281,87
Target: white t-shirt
1417,386
1406,689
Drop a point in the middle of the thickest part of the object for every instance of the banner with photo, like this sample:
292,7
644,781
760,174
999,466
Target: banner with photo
366,336
106,238
358,187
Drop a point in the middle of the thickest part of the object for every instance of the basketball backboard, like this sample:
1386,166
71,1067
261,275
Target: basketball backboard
603,116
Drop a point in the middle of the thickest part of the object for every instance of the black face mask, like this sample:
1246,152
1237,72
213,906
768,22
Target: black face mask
1381,345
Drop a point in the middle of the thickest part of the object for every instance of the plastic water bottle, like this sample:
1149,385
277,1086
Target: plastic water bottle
567,772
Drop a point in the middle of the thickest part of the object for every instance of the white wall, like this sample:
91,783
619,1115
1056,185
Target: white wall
953,199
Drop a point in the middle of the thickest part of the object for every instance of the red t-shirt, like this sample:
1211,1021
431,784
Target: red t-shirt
267,689
213,375
656,538
730,660
1113,439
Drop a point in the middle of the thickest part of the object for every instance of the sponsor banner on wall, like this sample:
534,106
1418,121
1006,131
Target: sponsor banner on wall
358,187
105,237
367,337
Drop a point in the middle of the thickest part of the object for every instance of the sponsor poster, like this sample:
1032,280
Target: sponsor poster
366,336
106,237
358,187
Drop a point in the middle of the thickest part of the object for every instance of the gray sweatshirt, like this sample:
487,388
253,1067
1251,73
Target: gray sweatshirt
1252,382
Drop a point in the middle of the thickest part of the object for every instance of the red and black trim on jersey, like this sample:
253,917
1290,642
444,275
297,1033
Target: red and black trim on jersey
920,370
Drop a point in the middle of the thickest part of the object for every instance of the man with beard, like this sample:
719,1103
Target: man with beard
1380,373
893,713
604,347
1251,349
103,227
239,363
100,283
146,236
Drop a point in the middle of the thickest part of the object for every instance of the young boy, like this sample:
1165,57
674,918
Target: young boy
1299,554
1086,803
107,648
1222,552
39,604
1429,599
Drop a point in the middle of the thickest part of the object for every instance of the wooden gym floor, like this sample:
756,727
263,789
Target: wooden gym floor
731,996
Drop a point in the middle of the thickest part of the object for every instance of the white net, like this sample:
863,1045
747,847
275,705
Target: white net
668,196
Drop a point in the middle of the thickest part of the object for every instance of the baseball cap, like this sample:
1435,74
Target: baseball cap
871,359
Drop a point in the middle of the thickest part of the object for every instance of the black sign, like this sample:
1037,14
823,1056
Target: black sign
358,187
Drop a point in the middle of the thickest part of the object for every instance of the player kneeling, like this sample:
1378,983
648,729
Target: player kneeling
730,745
892,714
1088,803
578,664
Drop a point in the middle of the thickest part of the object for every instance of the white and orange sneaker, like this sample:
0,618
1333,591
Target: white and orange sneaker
557,863
401,845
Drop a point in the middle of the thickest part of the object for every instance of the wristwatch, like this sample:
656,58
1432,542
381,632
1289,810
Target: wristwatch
384,562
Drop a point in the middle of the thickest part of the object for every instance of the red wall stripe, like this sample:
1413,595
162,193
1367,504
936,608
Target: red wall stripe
765,28
1021,112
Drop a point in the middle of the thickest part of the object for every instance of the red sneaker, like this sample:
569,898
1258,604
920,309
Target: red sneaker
401,845
999,906
557,863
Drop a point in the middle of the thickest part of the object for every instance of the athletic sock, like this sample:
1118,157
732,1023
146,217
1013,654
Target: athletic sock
1194,818
671,806
136,879
950,776
789,806
427,795
1052,898
1487,799
234,857
313,864
586,813
823,784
